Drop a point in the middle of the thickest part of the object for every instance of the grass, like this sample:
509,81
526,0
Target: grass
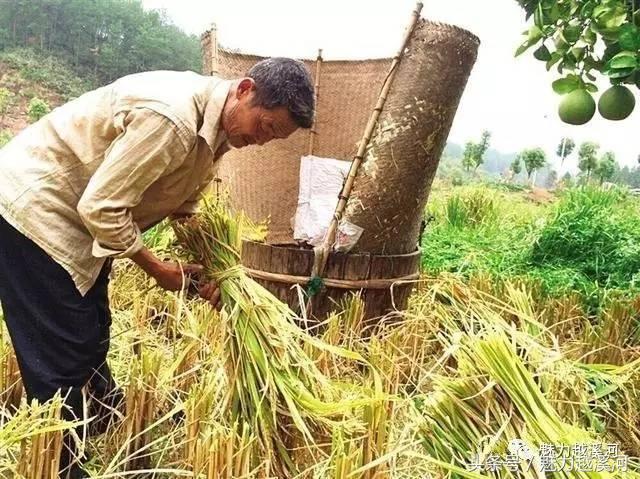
594,232
588,241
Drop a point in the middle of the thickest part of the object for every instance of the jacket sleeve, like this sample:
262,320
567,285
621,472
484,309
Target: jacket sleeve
147,148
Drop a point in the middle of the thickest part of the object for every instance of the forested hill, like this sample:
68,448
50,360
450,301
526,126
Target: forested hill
101,39
54,50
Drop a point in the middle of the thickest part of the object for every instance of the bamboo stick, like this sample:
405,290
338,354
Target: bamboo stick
313,132
215,68
322,251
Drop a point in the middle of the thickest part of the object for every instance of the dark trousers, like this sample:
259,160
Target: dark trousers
60,338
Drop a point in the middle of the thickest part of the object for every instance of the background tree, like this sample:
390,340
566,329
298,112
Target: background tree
516,166
627,176
473,155
533,159
567,180
588,158
106,38
607,167
565,148
468,156
482,147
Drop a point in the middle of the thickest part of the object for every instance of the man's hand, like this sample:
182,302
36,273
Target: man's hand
170,276
211,292
175,276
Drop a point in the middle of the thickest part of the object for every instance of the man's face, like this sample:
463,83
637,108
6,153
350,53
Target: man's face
247,124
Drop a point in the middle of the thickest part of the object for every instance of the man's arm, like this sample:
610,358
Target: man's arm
148,147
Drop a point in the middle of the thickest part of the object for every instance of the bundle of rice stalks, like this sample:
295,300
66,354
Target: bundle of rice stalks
346,456
274,381
493,403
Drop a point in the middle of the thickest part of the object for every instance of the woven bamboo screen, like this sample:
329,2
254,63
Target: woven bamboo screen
264,180
393,185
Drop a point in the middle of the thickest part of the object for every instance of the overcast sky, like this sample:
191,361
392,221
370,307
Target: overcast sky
511,97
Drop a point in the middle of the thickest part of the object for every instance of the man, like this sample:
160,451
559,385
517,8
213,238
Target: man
78,187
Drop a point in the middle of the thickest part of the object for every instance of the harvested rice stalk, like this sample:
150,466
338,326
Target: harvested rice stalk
11,387
141,409
202,406
346,456
39,430
221,452
493,401
272,376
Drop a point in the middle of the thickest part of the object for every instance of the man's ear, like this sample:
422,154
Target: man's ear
245,86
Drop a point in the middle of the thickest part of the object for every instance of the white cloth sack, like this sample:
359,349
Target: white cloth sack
321,181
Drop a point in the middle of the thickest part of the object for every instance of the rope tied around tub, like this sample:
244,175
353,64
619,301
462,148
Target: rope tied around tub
311,282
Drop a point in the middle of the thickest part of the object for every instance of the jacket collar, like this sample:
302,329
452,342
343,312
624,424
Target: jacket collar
215,97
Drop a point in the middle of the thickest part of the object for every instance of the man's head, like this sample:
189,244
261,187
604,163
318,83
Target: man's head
272,101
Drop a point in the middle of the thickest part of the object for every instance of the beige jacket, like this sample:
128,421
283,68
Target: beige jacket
84,181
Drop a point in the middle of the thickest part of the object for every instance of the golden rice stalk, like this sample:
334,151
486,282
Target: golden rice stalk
141,409
346,456
495,399
220,452
38,429
274,381
11,387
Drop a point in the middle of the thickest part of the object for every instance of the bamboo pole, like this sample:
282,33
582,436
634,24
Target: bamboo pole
214,49
322,251
314,132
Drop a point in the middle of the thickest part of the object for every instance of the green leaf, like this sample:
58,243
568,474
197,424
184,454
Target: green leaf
567,84
624,60
521,49
572,33
578,53
589,37
611,51
542,54
622,73
587,9
534,36
555,58
554,13
629,38
538,16
569,62
591,87
608,16
562,46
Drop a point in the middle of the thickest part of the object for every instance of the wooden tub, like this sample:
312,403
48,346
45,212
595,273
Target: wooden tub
385,281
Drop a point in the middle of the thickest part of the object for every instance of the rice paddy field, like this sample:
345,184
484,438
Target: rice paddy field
517,357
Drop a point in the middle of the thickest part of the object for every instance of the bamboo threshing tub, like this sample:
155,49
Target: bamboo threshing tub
393,184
